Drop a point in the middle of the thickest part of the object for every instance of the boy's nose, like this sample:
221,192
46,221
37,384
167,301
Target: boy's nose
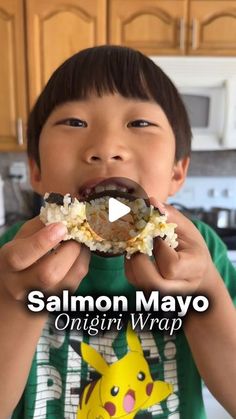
105,158
106,154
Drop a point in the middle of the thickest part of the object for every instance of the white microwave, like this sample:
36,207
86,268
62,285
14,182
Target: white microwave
208,88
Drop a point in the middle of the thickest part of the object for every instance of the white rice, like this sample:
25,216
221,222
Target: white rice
149,223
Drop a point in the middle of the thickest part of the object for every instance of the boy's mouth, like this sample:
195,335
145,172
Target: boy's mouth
118,184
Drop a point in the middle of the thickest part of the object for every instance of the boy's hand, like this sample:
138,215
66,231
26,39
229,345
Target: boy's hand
30,261
181,270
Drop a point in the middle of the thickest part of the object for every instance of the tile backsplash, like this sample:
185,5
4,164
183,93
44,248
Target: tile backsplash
18,196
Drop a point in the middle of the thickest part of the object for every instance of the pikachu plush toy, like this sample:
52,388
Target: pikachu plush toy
125,387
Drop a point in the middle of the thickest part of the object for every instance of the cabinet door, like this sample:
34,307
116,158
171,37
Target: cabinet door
13,107
155,27
56,29
213,27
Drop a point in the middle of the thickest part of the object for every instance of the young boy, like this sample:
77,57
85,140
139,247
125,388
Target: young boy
111,112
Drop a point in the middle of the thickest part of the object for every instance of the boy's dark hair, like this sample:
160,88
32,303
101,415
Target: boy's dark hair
110,69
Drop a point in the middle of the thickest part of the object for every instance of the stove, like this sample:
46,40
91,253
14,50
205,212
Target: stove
213,200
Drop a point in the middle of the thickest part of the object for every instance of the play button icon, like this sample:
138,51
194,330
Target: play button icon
116,209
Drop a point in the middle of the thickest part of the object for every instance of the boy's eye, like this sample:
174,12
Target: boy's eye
139,123
73,122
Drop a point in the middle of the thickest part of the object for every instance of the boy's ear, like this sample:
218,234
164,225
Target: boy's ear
179,174
35,175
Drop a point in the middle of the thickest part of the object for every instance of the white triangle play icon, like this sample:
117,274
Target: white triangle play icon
116,209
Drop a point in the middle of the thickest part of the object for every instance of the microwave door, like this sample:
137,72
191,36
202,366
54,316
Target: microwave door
206,109
198,108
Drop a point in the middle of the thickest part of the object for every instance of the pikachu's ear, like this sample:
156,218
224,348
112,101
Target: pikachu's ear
133,340
93,358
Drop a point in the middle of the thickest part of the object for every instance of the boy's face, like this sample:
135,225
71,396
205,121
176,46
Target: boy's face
108,136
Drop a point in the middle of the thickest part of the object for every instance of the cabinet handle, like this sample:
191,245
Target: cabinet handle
194,34
182,33
20,136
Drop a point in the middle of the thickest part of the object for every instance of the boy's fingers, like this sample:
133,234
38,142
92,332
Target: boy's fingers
175,216
21,253
149,279
46,274
166,258
54,266
29,227
78,270
174,265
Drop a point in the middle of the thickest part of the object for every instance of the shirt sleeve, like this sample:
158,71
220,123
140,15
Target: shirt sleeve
10,233
218,251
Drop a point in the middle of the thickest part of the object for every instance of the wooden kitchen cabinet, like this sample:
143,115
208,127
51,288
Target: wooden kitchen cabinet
174,27
212,27
56,30
13,93
155,27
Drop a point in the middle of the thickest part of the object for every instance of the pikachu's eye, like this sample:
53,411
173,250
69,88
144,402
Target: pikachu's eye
114,390
141,376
